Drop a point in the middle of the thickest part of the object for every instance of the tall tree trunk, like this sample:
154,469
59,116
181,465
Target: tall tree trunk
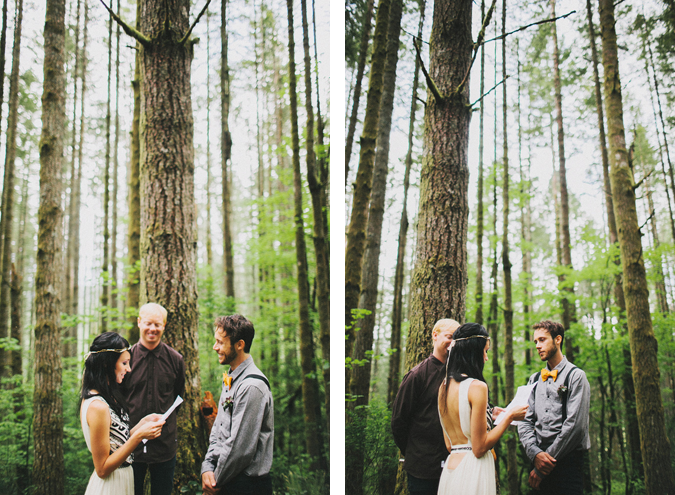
511,461
632,429
105,268
397,310
360,376
317,190
8,186
48,463
356,233
134,196
115,182
3,46
653,439
209,248
525,225
361,65
493,317
226,153
479,207
309,388
71,332
568,304
168,273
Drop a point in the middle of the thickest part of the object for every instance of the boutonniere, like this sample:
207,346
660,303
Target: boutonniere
228,404
562,391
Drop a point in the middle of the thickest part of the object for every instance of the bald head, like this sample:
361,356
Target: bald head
442,337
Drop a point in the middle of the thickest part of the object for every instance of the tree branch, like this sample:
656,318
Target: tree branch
478,44
137,35
189,32
642,180
647,220
523,28
430,82
490,91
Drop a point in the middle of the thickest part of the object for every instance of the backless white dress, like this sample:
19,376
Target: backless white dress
121,480
472,476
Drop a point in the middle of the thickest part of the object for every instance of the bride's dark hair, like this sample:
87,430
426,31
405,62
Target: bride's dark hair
99,370
465,359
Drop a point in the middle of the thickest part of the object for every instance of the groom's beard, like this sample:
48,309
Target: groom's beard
550,354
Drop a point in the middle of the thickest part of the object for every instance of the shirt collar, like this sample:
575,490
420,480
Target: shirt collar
561,365
144,351
240,369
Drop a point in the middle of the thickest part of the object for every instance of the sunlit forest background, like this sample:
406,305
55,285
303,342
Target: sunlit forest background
265,192
539,203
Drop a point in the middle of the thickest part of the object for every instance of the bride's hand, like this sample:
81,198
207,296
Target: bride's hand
518,413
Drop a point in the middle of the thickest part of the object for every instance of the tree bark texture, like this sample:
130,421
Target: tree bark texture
439,280
356,233
309,386
361,65
511,461
317,188
397,310
8,186
226,153
568,304
134,198
361,373
48,463
653,439
168,244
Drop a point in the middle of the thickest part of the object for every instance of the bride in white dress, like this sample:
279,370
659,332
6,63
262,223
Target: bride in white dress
105,423
463,409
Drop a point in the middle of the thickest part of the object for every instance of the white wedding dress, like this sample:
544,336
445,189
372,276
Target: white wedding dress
121,480
472,476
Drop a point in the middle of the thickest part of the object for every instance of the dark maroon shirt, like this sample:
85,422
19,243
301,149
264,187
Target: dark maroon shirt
415,423
157,377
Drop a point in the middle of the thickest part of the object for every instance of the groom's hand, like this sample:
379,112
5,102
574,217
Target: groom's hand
534,480
496,411
209,483
544,463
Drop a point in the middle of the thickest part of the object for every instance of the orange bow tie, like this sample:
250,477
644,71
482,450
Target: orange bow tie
546,373
227,380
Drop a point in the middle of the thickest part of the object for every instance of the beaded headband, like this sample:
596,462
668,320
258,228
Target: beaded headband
106,350
472,337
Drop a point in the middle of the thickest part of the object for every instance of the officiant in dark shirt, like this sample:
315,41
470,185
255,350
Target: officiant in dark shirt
157,377
415,422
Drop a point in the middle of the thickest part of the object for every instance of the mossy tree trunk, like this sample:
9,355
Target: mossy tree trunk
105,267
310,392
48,463
397,310
568,303
356,233
226,153
653,439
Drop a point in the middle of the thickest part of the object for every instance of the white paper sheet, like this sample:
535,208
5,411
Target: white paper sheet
521,398
176,403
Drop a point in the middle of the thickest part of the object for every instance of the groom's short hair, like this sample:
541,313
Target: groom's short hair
552,327
237,327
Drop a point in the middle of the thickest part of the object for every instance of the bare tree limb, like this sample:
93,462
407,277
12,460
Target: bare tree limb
523,28
490,91
477,44
430,82
642,180
189,32
137,35
651,214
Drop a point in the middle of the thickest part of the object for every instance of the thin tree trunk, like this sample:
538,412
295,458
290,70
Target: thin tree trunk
479,207
361,65
397,310
309,389
568,303
115,183
361,374
226,153
134,197
356,234
105,268
209,249
3,47
511,461
632,433
8,186
48,463
653,440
